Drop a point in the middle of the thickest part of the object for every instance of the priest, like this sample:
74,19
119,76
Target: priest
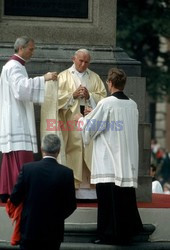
18,92
78,88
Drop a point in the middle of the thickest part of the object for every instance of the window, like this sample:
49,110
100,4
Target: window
47,8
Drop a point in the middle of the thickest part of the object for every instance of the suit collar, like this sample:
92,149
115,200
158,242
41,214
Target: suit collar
49,159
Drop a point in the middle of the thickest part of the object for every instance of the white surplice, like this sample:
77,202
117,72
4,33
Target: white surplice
17,95
113,127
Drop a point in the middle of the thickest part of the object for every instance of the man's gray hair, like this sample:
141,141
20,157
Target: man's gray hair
85,51
22,42
51,144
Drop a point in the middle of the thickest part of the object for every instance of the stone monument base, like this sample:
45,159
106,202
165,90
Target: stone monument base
58,58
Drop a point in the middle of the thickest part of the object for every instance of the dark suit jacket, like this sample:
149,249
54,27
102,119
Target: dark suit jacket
47,191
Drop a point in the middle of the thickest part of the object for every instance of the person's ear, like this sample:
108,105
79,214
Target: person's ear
56,155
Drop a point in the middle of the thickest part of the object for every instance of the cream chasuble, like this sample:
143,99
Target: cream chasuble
76,155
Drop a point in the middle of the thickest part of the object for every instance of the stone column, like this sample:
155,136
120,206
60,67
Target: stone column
160,123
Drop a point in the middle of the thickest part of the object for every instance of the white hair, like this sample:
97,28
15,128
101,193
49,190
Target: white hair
22,42
51,143
84,51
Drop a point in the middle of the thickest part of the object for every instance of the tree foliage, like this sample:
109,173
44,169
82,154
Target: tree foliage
141,25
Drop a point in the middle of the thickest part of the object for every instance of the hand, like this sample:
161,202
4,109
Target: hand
87,110
79,92
86,93
77,116
50,76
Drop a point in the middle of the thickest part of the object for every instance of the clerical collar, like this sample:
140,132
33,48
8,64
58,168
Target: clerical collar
120,95
80,74
18,59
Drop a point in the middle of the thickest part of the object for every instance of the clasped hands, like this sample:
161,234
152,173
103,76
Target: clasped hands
81,92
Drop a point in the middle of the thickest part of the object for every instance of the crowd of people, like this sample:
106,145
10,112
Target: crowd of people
106,155
160,168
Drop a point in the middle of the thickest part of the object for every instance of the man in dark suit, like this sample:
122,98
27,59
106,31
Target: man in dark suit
47,191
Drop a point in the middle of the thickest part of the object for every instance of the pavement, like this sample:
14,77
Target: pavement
91,246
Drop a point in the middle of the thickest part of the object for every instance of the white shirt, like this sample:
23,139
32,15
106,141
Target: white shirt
156,187
48,156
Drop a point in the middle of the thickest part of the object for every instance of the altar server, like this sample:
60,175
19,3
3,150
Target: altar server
113,128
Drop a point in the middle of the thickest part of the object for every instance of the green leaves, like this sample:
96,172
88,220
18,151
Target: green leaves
140,27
